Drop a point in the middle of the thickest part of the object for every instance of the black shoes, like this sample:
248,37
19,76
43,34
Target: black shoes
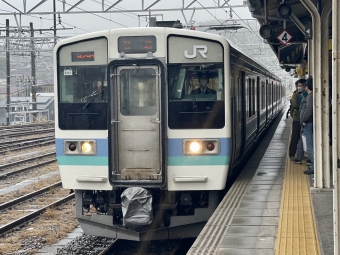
296,161
308,171
308,162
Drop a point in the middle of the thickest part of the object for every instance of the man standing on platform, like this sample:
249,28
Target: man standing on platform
296,125
307,123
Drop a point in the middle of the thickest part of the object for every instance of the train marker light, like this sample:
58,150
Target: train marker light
72,147
210,146
195,147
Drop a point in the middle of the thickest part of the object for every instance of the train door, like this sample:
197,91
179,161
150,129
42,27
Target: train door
136,124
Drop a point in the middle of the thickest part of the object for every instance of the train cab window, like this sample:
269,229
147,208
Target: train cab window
80,83
196,98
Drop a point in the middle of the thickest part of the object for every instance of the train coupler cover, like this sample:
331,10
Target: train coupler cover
136,207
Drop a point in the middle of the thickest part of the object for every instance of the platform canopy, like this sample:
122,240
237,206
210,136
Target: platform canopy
288,20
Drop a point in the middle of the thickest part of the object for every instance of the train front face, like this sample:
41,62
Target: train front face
150,165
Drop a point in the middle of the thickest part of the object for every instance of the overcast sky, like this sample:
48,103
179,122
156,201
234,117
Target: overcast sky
83,23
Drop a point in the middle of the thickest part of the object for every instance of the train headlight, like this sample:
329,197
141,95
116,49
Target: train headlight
194,147
88,147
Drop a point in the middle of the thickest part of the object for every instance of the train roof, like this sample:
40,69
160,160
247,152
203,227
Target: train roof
184,32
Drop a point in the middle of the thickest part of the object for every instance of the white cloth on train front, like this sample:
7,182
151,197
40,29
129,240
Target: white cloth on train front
136,207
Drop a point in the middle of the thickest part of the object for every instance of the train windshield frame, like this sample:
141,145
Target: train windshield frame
189,107
82,85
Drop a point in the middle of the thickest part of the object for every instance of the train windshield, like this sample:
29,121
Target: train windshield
82,84
196,96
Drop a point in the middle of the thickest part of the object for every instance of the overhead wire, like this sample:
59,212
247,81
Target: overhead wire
38,17
117,8
209,12
94,14
247,26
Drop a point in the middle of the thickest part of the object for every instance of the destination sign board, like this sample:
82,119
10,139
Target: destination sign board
137,44
82,56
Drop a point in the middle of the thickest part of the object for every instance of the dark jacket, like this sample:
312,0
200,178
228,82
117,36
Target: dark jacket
207,91
294,108
307,111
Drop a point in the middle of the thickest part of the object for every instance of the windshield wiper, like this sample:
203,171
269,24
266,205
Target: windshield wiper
88,98
88,102
94,93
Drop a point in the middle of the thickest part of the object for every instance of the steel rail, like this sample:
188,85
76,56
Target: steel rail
26,160
23,141
108,248
28,196
24,169
21,221
25,126
28,146
26,132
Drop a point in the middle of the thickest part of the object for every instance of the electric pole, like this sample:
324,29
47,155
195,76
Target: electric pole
8,74
54,23
33,89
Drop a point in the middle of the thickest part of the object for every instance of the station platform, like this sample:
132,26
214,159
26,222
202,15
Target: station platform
271,208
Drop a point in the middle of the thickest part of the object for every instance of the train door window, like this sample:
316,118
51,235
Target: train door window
138,92
253,96
267,94
249,98
263,95
196,96
272,93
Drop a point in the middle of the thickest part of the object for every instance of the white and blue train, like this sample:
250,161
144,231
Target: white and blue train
151,122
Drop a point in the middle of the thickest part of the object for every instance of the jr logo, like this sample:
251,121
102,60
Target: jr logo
202,49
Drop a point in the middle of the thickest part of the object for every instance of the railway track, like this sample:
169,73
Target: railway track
24,132
26,126
91,245
25,144
30,216
4,174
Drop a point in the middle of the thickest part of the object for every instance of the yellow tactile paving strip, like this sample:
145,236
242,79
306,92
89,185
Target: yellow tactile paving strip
297,233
